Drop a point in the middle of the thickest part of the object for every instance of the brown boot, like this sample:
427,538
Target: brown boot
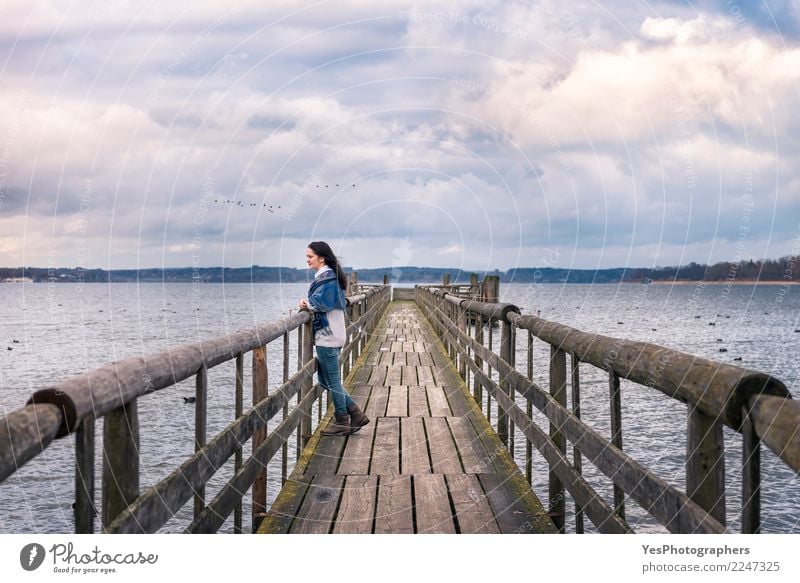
339,425
357,417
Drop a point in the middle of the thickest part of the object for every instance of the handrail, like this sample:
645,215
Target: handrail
112,391
751,402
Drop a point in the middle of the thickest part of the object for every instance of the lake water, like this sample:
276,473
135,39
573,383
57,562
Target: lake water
66,329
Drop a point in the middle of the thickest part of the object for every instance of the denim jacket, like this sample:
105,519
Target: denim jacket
325,295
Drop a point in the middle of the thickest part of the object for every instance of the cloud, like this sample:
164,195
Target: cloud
474,132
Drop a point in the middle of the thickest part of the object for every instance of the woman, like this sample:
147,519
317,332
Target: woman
327,302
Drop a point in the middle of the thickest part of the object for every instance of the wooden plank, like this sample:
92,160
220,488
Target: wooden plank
363,373
425,374
409,375
319,506
472,509
515,512
385,451
432,505
414,451
398,402
473,455
417,402
438,402
376,406
327,455
357,509
412,359
284,510
397,346
444,455
394,375
386,359
378,375
457,400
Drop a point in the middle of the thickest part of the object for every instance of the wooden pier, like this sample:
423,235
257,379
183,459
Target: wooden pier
428,462
435,369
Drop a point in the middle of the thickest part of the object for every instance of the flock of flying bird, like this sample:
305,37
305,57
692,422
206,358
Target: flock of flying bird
270,208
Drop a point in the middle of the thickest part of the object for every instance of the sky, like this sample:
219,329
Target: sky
481,135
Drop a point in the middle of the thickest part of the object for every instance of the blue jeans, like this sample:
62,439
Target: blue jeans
329,377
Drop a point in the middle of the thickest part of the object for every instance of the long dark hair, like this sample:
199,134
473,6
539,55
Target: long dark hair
323,250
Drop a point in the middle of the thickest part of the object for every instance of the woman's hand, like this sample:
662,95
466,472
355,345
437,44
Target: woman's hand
303,304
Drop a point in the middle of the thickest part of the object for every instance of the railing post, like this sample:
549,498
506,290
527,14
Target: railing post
705,463
260,390
120,460
238,411
462,327
84,510
529,413
285,446
558,386
305,418
200,408
616,435
751,476
478,388
576,410
505,354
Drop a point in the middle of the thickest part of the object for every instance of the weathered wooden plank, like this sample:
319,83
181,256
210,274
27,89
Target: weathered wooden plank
398,402
397,346
424,359
457,400
412,359
414,447
444,455
319,506
357,509
473,455
394,375
363,373
437,400
417,402
516,511
386,359
432,505
425,374
385,451
327,456
409,375
472,509
358,451
378,398
25,433
284,510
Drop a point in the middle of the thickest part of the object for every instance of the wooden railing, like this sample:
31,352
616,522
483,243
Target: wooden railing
112,393
752,403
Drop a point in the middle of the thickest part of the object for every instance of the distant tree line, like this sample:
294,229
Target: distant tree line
783,269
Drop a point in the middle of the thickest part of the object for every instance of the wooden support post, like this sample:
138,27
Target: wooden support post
489,376
462,327
300,344
751,476
504,385
200,417
558,386
446,279
120,460
285,446
84,509
305,418
616,435
260,392
577,461
705,463
238,411
385,279
529,412
478,389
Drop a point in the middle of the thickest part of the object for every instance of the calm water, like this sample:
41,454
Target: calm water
69,329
